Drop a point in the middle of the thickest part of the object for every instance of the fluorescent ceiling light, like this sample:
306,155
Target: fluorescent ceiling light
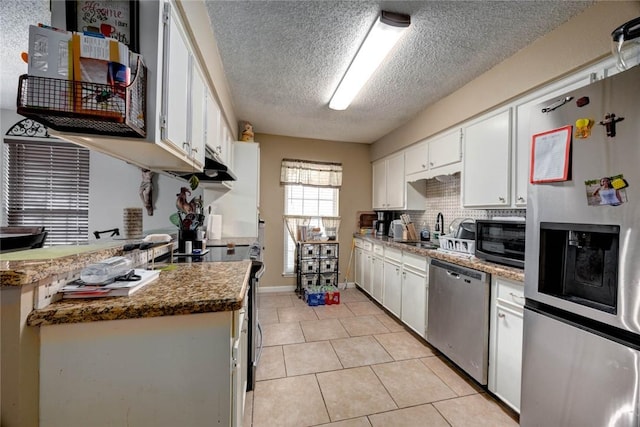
384,34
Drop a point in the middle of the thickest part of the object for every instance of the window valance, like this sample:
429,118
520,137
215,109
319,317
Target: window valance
315,174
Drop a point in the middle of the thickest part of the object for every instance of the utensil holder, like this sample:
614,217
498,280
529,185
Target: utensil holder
188,236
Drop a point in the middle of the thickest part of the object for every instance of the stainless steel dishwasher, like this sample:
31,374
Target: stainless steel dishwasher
458,316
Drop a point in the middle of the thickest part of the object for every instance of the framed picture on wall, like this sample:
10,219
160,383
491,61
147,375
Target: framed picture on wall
115,19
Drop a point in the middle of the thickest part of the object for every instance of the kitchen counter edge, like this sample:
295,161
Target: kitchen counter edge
187,289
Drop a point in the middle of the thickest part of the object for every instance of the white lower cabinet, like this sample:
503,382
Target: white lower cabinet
505,340
377,277
363,259
415,282
183,370
357,266
392,296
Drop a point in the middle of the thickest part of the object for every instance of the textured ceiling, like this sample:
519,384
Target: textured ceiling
284,59
15,18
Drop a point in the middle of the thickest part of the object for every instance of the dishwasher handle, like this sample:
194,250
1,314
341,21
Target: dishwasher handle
453,269
453,274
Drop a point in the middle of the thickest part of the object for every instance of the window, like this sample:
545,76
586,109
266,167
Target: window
47,184
311,201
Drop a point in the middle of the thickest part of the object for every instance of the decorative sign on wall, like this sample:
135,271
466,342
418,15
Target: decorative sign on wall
115,19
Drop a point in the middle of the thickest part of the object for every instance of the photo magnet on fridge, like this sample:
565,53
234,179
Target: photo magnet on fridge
606,191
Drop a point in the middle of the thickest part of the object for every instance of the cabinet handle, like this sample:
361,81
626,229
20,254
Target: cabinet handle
424,166
501,315
186,145
194,149
431,164
515,296
501,199
521,199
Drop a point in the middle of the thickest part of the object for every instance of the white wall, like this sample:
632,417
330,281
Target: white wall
114,185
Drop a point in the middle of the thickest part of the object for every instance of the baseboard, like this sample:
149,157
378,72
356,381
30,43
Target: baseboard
274,289
292,288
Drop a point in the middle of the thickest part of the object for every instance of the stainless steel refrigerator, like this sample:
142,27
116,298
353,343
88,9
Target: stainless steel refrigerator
581,354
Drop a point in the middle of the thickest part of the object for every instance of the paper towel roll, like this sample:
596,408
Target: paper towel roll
214,227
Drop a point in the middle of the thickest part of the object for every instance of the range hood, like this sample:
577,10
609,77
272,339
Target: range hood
214,170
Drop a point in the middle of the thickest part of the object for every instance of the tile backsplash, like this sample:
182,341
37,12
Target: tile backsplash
445,197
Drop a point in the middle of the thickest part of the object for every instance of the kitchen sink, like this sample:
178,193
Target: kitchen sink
422,245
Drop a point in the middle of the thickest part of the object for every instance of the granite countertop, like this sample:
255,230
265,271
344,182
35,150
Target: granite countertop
32,266
511,273
187,289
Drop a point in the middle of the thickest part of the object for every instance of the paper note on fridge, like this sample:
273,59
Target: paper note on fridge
550,155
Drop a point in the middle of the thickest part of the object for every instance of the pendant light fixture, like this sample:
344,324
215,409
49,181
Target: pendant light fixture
382,36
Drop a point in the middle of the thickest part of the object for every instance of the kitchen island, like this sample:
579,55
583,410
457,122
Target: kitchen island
191,313
171,354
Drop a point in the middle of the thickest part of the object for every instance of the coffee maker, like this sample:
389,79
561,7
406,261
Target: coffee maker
383,222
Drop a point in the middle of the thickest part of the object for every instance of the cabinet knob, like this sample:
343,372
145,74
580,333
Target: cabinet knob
501,315
521,199
431,164
424,166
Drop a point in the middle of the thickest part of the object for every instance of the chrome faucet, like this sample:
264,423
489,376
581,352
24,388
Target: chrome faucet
439,228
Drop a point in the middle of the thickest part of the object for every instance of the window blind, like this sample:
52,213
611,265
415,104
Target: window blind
47,184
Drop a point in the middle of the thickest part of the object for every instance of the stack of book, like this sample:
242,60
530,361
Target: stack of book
79,289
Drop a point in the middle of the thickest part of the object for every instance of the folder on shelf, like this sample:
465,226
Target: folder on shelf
49,57
101,65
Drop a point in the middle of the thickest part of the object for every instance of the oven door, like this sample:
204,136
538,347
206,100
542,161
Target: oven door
239,358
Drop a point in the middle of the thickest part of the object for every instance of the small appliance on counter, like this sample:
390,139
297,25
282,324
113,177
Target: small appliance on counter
383,222
501,241
396,230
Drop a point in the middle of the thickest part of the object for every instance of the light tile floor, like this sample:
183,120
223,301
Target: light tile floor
354,365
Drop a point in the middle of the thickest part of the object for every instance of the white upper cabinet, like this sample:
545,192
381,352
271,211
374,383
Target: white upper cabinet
445,151
390,187
213,125
198,115
416,158
379,197
486,174
184,89
395,181
440,155
388,183
176,84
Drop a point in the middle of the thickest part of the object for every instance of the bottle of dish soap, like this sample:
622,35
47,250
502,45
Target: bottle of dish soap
424,232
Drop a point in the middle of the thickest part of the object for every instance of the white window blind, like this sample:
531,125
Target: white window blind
315,202
47,184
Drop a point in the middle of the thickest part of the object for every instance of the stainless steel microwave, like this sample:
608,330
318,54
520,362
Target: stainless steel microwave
501,241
